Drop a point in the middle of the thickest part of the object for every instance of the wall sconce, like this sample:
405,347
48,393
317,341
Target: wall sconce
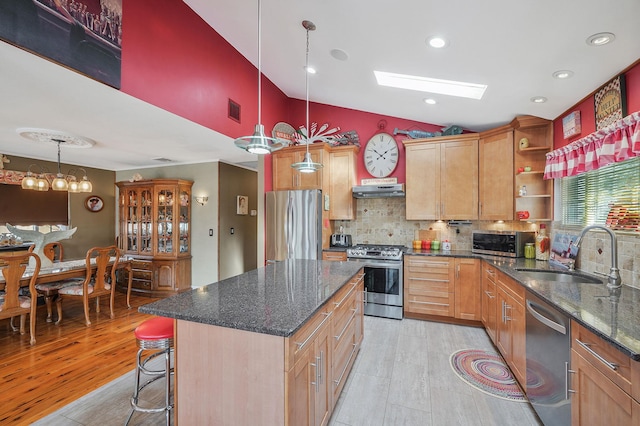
202,200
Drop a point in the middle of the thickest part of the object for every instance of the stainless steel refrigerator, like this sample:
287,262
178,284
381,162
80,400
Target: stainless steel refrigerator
294,224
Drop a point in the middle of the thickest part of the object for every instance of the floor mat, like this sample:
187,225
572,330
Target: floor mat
486,372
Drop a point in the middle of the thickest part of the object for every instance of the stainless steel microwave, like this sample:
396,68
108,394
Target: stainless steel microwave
502,243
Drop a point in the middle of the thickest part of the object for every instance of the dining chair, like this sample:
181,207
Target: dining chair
49,291
12,304
102,282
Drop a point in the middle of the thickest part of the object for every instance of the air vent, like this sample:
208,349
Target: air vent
234,110
162,160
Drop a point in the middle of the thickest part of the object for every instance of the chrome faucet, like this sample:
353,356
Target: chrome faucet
613,279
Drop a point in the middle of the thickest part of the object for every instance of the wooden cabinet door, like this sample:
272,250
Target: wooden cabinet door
518,341
459,184
302,398
468,289
164,275
489,300
597,400
423,181
342,163
503,328
496,176
323,389
310,180
283,174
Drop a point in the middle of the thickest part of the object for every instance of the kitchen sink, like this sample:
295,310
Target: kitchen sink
558,276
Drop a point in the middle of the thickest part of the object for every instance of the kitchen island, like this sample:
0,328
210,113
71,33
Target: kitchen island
270,346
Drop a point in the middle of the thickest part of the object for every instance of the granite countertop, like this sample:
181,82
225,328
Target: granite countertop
277,299
613,315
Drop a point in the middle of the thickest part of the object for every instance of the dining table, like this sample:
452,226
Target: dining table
66,269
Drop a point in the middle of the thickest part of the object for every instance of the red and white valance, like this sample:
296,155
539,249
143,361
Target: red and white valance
617,142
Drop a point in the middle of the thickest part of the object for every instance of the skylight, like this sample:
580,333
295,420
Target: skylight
431,85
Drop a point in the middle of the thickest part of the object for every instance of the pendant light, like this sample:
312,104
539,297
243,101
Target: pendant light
259,143
307,165
60,182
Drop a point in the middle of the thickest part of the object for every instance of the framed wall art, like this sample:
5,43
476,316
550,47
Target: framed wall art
571,125
94,203
84,35
611,102
242,205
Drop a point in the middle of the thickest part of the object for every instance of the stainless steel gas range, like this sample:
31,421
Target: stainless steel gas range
383,278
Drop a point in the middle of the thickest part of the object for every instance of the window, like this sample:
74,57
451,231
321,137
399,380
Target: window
607,196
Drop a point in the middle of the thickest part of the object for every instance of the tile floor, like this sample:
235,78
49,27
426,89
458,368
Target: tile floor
401,377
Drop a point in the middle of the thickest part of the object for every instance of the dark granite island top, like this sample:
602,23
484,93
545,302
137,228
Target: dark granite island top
277,299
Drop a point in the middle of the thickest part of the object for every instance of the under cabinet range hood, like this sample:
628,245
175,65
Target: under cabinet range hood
378,191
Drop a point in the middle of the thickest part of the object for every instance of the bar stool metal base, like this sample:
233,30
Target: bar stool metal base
160,347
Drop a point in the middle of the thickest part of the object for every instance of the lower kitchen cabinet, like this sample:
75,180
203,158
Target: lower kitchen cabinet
511,327
489,300
467,289
443,286
429,285
324,351
311,398
334,255
602,394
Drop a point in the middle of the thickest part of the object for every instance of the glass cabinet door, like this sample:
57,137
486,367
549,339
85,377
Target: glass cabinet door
146,206
164,220
184,220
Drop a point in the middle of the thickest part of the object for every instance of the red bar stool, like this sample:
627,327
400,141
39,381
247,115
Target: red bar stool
155,335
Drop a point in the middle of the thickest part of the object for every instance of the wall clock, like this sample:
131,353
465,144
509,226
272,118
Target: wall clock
381,155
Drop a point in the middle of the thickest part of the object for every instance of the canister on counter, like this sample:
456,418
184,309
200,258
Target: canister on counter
529,251
435,245
426,244
417,244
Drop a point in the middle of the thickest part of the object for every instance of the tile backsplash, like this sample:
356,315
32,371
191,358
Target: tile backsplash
382,221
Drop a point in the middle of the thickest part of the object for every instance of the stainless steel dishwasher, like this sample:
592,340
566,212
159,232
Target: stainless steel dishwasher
548,344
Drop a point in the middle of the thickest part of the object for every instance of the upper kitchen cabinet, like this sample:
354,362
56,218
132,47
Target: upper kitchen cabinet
287,178
496,170
533,138
442,178
343,177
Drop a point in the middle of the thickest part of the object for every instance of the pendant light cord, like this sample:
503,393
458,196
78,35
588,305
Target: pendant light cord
306,82
259,61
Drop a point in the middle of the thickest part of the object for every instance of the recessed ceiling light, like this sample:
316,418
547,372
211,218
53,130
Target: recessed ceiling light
563,74
339,54
600,39
436,42
538,99
431,85
430,101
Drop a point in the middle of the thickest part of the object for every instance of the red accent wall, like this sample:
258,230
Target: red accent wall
172,59
587,109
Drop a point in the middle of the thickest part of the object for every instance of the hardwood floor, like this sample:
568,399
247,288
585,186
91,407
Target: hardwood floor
68,360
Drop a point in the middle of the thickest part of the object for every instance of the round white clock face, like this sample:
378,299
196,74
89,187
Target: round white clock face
381,155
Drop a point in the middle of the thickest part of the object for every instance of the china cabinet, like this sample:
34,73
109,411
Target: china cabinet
154,230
